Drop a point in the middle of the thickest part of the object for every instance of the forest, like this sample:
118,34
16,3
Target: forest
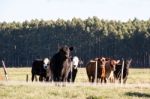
22,42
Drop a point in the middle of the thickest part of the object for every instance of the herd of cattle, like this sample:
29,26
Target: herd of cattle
63,68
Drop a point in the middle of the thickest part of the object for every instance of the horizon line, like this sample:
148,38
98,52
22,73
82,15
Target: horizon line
69,19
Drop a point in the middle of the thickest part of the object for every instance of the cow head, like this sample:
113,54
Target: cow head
113,64
102,61
46,62
66,51
75,61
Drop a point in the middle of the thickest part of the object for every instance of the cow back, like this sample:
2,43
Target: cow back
90,68
37,67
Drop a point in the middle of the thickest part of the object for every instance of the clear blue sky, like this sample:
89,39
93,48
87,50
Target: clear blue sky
21,10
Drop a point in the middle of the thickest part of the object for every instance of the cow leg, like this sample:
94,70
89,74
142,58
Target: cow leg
66,76
32,77
74,74
35,78
89,79
69,77
51,78
120,80
49,74
105,80
47,79
93,79
101,79
41,78
124,80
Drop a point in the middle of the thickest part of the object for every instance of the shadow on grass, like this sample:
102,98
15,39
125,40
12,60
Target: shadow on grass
95,97
138,94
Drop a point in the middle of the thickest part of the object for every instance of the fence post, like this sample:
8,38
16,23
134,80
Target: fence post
96,72
5,71
71,72
27,78
122,71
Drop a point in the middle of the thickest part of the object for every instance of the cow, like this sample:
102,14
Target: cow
117,72
74,70
91,67
60,64
39,67
107,71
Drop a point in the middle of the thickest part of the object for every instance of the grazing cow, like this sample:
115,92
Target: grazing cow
60,64
90,69
39,67
74,70
117,72
107,71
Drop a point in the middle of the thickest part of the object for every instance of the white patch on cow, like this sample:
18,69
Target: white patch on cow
103,59
75,61
46,62
117,62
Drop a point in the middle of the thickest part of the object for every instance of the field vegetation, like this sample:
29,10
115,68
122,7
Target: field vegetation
16,87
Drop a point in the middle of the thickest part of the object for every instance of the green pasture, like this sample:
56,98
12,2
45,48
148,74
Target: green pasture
16,87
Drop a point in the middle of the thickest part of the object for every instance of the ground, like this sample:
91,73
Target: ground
16,87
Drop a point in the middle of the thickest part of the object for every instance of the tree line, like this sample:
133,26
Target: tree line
21,43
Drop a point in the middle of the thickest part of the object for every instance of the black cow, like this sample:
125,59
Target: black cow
60,64
74,69
117,72
39,67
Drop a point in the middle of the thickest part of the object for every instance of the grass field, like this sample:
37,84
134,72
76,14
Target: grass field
137,87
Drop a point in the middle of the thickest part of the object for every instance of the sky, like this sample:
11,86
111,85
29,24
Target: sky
123,10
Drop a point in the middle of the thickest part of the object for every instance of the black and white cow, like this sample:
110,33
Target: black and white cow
74,70
39,67
60,64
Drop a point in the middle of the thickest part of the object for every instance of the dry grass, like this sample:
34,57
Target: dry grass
137,87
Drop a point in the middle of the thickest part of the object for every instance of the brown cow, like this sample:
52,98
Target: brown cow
91,66
107,69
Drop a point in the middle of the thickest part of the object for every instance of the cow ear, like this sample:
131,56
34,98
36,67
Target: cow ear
117,62
96,59
129,62
71,48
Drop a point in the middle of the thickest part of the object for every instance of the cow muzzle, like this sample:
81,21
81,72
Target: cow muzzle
45,66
